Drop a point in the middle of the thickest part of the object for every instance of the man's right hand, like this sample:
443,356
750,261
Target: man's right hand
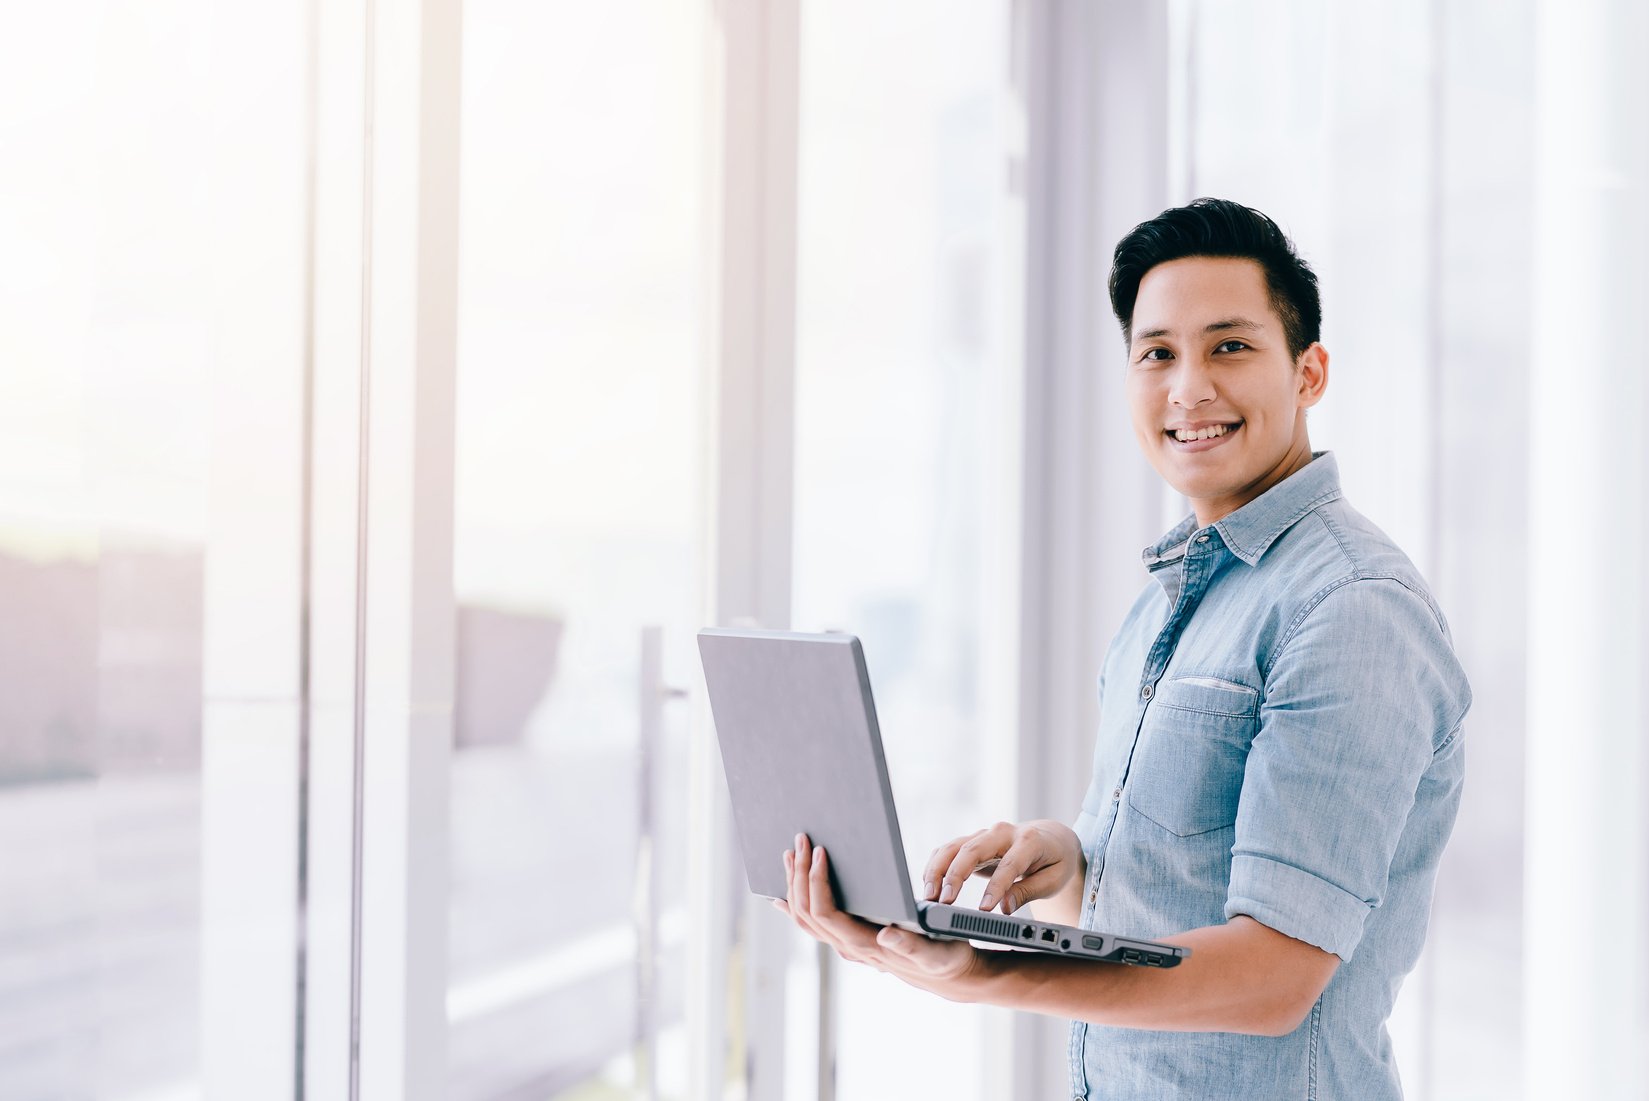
1025,860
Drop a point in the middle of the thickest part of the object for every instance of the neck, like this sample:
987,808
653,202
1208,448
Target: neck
1213,509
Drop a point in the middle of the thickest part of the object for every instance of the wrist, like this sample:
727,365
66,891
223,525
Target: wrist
981,977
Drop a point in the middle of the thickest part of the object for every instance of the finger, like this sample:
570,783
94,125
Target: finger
820,894
799,901
1041,883
852,937
938,861
806,892
962,863
984,846
796,894
1024,858
821,899
910,953
1008,869
808,887
850,934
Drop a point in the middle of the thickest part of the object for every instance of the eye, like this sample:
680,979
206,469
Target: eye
1151,355
1231,346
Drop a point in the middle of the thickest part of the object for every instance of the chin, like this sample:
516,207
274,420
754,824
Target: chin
1205,488
1199,483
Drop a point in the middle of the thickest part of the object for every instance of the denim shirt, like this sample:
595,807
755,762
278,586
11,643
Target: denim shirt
1279,737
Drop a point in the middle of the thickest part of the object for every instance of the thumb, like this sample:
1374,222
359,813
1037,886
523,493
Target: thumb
894,939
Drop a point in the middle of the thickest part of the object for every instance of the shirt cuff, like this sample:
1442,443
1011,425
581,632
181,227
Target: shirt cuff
1296,904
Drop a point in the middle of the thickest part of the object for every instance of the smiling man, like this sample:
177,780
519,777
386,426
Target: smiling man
1279,756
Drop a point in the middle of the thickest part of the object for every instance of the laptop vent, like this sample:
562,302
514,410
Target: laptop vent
987,926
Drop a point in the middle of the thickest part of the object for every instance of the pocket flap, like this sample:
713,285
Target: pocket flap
1210,695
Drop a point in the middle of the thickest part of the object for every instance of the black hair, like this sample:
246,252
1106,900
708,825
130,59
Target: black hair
1220,227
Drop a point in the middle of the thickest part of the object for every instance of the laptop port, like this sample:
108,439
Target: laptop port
1066,943
1030,931
1049,935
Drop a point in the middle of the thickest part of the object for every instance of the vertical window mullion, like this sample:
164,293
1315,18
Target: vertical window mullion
750,383
384,302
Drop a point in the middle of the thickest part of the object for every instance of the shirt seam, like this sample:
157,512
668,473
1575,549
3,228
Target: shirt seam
1340,539
1328,590
1316,1031
1323,594
1357,571
1300,617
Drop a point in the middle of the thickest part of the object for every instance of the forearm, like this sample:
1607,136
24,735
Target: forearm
1232,982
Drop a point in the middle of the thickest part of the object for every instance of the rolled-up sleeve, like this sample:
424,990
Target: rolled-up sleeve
1359,697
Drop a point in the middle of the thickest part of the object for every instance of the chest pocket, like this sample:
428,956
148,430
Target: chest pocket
1187,770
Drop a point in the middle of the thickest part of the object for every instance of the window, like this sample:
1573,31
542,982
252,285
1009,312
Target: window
905,284
576,546
151,337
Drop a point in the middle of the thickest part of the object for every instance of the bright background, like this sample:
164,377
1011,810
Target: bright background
190,637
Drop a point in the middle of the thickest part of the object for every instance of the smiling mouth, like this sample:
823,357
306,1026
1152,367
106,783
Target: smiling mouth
1212,432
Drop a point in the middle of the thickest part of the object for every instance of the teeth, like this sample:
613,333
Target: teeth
1201,434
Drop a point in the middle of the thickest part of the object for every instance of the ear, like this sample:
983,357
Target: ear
1312,372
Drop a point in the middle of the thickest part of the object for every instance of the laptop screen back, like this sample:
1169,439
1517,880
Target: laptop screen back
802,753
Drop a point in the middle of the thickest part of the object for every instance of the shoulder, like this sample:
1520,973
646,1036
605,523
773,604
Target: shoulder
1360,615
1374,643
1334,549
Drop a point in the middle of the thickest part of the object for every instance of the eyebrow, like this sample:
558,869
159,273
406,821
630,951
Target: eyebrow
1224,325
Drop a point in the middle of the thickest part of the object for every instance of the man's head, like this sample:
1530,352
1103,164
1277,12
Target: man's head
1220,227
1221,318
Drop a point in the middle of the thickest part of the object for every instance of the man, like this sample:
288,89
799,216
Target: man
1279,756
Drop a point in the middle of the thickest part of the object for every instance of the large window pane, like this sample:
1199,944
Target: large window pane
576,490
127,242
904,287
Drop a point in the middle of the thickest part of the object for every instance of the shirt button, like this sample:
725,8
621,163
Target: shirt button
1145,692
1116,796
1202,538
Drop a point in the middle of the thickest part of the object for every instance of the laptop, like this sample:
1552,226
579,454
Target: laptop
803,754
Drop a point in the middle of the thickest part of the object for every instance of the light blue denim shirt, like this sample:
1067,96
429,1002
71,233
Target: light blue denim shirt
1279,737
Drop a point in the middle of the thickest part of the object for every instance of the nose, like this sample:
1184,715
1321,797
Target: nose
1191,383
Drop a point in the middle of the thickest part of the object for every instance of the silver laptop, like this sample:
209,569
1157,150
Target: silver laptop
803,754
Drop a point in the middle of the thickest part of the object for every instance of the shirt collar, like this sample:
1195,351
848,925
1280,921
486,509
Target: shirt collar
1250,531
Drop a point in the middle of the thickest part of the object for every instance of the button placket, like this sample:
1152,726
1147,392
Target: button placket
1193,573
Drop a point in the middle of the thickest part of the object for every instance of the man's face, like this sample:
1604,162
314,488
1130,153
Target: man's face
1218,404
